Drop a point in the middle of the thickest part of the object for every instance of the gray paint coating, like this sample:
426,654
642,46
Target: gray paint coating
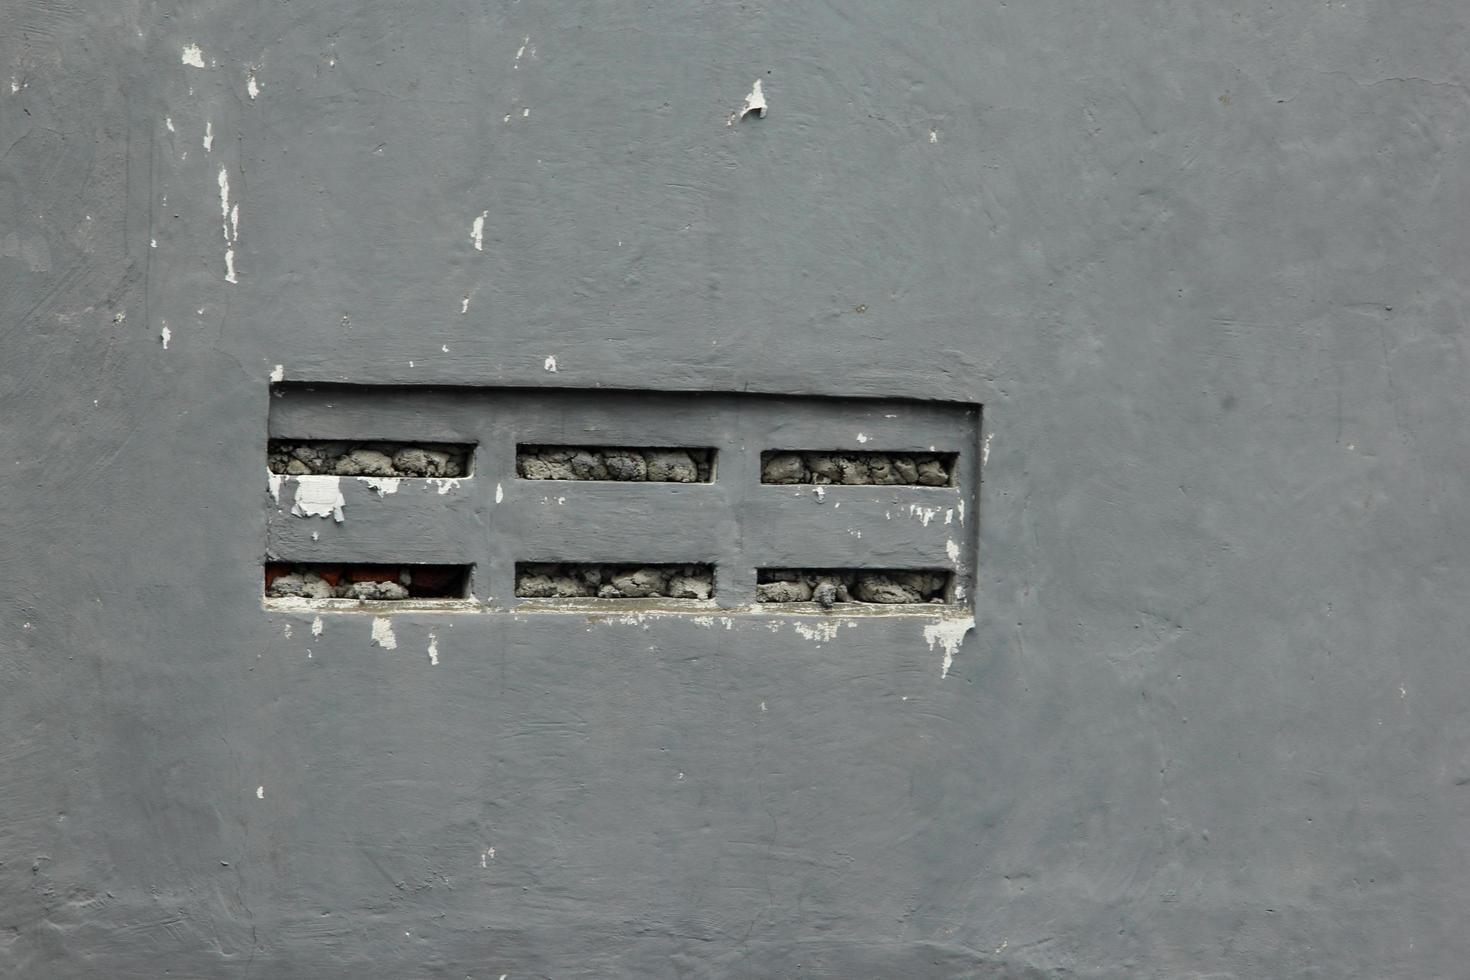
1202,263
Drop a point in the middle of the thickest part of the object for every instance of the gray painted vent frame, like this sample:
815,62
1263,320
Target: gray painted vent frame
492,519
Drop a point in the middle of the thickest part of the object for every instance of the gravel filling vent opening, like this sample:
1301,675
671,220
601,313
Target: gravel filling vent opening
586,580
368,581
298,457
828,587
840,467
622,464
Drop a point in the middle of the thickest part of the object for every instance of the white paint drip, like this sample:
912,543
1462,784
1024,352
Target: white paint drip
278,373
274,481
754,102
445,484
433,649
319,496
192,56
550,364
985,448
208,136
316,626
260,792
252,87
499,493
477,234
948,634
383,484
383,633
953,550
165,335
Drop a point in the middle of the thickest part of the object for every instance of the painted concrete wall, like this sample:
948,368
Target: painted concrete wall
1202,263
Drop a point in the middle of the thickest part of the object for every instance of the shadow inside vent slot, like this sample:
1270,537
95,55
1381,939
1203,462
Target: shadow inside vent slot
320,580
788,466
570,580
860,586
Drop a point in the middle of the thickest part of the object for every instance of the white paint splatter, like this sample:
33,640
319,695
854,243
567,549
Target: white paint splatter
924,514
525,113
477,233
274,482
278,373
383,633
862,437
252,87
319,496
445,484
165,335
208,136
260,792
948,634
433,649
550,364
316,626
192,56
14,85
383,484
444,348
953,550
520,51
934,136
985,448
819,632
754,102
499,493
152,243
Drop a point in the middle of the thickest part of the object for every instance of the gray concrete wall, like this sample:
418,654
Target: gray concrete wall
1201,263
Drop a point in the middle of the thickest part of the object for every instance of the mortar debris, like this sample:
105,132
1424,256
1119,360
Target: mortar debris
592,581
626,464
372,582
832,586
296,458
858,468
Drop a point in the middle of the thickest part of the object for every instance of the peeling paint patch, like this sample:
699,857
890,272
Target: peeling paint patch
165,335
383,484
229,224
477,235
953,550
260,792
445,484
383,633
924,514
499,493
862,437
169,123
192,56
274,480
754,102
947,634
316,626
433,649
934,136
278,373
818,632
550,364
208,136
319,496
985,448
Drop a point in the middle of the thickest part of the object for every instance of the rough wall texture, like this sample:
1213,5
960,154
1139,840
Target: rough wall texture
1202,263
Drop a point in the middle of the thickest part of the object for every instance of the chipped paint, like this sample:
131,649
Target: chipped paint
208,136
433,649
960,509
819,632
444,483
383,633
384,485
550,363
260,792
169,124
165,335
316,626
229,224
953,550
862,437
318,496
985,448
934,136
924,514
252,87
754,102
192,56
273,481
278,373
477,235
947,634
499,493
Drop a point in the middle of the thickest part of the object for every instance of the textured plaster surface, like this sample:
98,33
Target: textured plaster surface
1202,263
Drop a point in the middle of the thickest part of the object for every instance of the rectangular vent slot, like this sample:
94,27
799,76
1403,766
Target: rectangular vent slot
863,586
864,468
623,464
376,582
299,457
569,580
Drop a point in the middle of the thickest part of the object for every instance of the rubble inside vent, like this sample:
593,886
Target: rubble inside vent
373,582
627,464
829,587
297,458
588,581
858,468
